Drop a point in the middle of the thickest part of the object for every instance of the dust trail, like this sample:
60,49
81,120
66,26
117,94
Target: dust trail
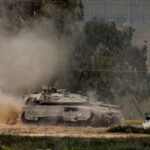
10,109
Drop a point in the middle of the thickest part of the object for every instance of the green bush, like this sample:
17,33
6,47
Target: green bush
3,147
68,143
129,129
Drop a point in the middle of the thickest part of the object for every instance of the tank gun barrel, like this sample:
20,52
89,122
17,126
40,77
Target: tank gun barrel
109,105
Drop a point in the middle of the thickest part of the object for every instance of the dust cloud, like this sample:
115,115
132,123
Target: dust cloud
10,110
28,58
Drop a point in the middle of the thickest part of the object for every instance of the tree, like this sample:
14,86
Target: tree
64,13
107,62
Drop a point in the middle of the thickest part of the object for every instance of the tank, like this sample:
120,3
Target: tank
59,107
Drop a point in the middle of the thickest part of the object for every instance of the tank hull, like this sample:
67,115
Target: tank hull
94,116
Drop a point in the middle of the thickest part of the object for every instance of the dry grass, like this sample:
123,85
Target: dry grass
133,122
62,131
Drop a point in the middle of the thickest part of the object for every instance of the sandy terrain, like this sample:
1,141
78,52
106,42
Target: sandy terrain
57,131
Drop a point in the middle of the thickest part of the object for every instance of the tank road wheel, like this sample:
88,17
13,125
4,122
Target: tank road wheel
104,120
50,121
42,121
82,123
24,120
94,121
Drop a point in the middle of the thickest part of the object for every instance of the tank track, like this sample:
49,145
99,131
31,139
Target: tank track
93,121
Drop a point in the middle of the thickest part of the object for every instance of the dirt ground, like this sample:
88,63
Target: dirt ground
60,131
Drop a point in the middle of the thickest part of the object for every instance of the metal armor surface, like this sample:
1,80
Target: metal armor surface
60,107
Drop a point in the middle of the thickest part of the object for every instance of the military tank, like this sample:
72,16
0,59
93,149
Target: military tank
60,107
